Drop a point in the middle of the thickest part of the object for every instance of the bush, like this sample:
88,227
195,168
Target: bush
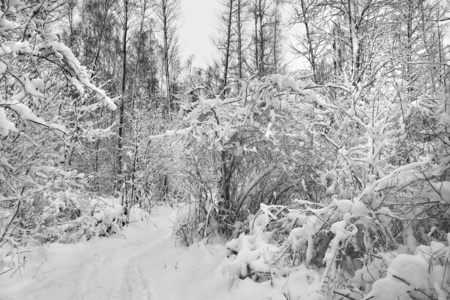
371,166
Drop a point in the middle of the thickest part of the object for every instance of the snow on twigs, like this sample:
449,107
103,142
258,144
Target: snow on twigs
37,129
373,201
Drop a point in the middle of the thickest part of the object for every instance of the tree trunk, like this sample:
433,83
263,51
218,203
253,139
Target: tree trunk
166,49
227,47
239,39
255,16
311,50
261,38
122,104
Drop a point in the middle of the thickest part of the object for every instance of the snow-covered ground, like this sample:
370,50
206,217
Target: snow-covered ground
140,263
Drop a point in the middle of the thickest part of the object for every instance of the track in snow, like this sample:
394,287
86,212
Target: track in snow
104,269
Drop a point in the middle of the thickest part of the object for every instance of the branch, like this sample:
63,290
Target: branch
252,185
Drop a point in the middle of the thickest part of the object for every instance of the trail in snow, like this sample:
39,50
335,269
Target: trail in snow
107,268
141,263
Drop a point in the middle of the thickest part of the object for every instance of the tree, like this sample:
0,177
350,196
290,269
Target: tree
267,36
168,13
231,41
240,8
311,45
125,20
229,18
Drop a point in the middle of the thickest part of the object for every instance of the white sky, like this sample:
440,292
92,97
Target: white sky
198,25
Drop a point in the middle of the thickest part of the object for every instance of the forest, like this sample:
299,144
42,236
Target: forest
334,170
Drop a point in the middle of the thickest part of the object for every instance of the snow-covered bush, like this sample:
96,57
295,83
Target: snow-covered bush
246,149
339,242
75,216
65,217
385,175
105,222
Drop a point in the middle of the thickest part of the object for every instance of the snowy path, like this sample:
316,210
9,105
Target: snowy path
102,269
141,263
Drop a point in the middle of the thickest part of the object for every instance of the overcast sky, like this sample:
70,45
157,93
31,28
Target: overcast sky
198,25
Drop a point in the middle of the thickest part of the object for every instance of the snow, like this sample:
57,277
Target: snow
445,119
410,268
6,24
3,68
369,273
81,73
443,189
172,133
31,89
26,113
5,124
283,82
405,274
142,262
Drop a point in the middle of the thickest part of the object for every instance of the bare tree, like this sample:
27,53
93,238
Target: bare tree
228,41
126,4
267,36
231,40
168,13
308,45
240,33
